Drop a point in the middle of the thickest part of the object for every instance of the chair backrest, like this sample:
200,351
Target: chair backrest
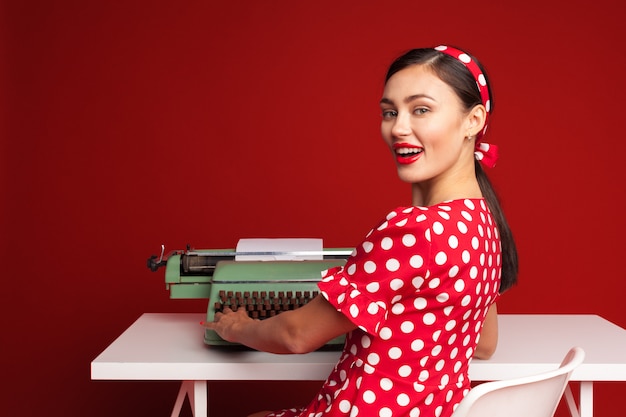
535,395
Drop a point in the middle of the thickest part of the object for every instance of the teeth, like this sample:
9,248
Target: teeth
408,151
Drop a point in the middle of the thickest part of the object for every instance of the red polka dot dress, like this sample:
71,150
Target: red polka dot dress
418,288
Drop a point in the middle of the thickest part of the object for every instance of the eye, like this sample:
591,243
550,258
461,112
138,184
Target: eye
420,110
389,114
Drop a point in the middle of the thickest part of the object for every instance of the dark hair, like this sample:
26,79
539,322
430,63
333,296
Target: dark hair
454,73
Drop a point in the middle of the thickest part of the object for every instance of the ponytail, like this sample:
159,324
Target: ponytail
509,251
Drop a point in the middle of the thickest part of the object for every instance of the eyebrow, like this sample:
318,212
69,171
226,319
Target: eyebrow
408,99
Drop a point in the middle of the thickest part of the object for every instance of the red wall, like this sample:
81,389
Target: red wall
131,124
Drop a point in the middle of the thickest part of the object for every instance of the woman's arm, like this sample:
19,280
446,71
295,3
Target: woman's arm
298,331
488,335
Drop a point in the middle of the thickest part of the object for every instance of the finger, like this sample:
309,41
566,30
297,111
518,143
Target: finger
207,325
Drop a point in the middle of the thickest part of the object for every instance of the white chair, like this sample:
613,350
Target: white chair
530,396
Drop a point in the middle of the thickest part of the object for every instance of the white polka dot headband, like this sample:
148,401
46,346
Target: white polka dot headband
484,152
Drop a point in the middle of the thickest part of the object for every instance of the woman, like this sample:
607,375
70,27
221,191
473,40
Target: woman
417,297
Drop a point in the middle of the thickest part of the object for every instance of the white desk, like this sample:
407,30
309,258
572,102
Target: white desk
171,347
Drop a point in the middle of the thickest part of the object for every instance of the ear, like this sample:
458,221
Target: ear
476,119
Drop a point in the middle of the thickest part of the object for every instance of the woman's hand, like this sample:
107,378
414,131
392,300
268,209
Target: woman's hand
296,331
227,323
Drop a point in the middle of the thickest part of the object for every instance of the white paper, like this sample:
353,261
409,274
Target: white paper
308,248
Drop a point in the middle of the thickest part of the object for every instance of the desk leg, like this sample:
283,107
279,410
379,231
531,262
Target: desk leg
585,407
198,398
586,399
571,403
180,399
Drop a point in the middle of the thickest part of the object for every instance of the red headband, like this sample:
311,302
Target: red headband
484,152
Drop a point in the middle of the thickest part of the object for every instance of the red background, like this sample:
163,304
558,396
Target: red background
131,124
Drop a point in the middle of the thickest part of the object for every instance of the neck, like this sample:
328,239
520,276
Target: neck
436,191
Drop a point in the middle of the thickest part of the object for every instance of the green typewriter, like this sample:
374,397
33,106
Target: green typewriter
265,283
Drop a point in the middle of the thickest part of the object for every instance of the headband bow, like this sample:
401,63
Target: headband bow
484,152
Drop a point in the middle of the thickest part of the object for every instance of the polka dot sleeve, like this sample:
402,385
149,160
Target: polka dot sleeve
387,264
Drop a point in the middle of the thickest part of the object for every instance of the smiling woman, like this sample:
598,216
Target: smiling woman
417,297
456,79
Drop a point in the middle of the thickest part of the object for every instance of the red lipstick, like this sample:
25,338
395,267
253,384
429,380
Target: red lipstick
406,153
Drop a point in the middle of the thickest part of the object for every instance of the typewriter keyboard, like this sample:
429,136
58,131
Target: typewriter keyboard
263,304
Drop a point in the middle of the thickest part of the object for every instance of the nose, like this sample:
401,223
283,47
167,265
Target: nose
401,125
